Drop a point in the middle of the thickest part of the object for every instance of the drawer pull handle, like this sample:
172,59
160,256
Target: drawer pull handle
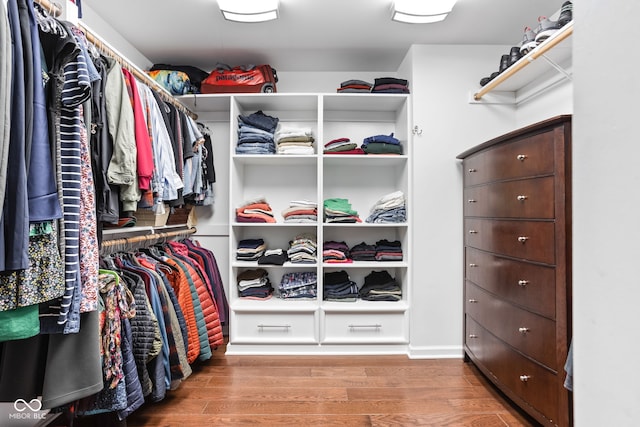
473,336
521,157
472,201
523,239
525,378
262,327
473,265
376,326
524,330
523,283
473,232
521,198
472,170
473,301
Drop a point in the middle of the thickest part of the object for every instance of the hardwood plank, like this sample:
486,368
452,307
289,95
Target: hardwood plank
340,408
281,393
454,420
245,420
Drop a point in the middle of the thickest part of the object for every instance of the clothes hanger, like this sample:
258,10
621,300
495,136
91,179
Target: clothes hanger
47,22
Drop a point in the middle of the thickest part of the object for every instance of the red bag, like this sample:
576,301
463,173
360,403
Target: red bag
249,79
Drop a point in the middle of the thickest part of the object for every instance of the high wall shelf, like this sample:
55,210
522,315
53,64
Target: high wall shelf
549,63
314,326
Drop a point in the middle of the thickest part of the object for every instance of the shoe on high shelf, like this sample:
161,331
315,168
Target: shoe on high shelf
486,80
504,63
566,13
514,55
528,41
545,29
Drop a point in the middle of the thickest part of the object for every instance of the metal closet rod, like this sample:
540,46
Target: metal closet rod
103,46
126,241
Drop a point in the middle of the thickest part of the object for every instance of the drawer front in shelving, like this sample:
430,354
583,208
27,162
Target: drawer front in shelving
527,157
530,240
526,379
529,333
276,328
529,285
527,198
361,328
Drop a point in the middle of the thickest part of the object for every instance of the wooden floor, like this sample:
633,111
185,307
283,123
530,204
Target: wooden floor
330,391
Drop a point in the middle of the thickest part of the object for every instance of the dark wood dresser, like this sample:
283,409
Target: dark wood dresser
517,265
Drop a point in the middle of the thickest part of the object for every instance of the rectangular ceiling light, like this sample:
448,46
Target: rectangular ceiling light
249,10
421,12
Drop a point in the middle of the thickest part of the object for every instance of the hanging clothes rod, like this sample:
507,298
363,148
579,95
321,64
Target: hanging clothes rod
53,8
108,50
147,238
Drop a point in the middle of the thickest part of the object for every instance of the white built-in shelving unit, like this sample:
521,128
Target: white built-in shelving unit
287,326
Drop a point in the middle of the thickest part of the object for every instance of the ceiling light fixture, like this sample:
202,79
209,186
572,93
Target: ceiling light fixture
249,10
421,12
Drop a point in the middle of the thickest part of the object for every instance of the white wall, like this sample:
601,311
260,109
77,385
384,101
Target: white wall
442,79
105,31
606,178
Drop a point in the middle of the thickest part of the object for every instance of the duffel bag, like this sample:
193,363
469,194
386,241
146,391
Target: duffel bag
240,79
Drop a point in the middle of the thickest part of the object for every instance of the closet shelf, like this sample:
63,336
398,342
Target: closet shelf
556,52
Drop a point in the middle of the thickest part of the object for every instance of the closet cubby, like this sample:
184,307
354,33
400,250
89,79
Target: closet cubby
314,325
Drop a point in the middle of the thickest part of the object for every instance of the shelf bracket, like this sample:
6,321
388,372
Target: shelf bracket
557,67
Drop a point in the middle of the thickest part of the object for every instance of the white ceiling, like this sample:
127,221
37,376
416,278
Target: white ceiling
310,35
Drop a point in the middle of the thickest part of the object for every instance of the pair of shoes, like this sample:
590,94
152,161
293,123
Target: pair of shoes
545,28
566,13
506,61
528,41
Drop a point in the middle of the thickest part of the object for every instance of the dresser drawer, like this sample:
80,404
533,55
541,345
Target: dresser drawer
525,379
526,198
527,157
530,240
274,328
529,285
360,328
529,333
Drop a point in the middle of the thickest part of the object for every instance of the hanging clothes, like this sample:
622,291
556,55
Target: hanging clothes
122,169
14,221
71,87
6,72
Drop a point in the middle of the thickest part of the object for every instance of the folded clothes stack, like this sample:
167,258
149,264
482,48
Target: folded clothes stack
293,140
339,287
255,210
380,286
303,249
355,86
342,146
382,144
390,85
273,257
250,249
255,133
254,284
335,252
303,211
390,208
299,285
339,210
